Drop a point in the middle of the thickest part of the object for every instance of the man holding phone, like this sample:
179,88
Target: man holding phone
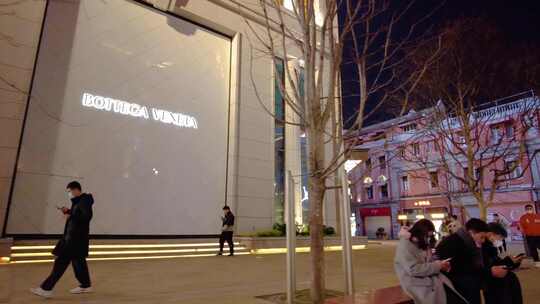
501,284
73,246
463,248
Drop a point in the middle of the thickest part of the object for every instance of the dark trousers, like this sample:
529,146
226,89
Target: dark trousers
226,236
506,290
533,243
469,287
61,264
452,297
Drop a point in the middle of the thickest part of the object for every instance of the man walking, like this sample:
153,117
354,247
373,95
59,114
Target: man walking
73,246
227,229
529,224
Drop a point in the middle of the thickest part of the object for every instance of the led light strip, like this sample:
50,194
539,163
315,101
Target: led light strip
128,258
301,249
113,246
37,254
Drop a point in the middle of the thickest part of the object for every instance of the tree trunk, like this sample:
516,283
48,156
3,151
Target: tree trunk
483,211
316,238
317,188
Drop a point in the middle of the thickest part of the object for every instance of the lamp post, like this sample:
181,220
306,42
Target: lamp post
291,238
353,158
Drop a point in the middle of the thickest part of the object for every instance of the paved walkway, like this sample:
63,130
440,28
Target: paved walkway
209,280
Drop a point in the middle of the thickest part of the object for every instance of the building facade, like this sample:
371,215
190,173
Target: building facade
391,188
158,107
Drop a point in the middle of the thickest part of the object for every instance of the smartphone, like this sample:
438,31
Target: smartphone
520,255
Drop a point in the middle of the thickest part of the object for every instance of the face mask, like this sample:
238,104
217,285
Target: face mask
70,195
497,243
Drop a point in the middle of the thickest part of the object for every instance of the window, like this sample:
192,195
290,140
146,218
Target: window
279,143
509,132
434,179
384,191
382,162
369,192
514,167
409,127
405,183
416,149
368,164
401,152
478,173
495,134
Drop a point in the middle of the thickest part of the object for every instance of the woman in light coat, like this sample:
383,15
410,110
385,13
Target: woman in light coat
420,277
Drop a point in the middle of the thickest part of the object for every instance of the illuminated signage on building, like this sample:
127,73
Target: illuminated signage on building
136,110
422,203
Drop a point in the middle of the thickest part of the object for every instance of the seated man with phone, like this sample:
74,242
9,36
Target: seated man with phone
501,284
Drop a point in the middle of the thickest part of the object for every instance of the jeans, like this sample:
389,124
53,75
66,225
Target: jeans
61,264
226,236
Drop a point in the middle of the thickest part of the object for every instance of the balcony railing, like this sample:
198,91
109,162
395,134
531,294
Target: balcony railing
498,111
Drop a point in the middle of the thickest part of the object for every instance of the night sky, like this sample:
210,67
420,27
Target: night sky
517,22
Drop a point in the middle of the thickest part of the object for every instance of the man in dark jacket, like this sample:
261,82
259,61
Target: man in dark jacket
501,284
73,246
464,250
227,229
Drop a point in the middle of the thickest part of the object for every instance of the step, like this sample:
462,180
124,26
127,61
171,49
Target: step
103,250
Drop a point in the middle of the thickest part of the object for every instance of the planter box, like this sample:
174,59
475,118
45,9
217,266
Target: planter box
278,244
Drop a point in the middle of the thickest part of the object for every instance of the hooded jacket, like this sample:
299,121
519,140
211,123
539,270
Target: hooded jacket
75,240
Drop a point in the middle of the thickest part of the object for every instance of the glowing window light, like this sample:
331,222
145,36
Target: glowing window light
437,215
420,216
402,217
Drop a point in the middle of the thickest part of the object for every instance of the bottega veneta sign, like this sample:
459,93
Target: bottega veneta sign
135,110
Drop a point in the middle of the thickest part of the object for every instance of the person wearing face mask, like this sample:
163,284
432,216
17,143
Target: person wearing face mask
501,284
497,219
420,277
465,250
73,246
529,224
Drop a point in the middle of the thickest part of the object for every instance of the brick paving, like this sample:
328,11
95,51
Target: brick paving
223,280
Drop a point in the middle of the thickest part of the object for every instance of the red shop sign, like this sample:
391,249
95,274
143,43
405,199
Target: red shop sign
383,211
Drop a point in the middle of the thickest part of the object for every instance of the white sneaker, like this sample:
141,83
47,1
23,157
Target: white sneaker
41,292
79,290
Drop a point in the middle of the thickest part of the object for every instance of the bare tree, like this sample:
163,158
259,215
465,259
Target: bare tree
308,36
480,146
479,151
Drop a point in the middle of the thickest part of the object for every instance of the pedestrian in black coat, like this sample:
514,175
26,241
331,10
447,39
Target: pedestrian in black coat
467,265
73,246
227,230
501,284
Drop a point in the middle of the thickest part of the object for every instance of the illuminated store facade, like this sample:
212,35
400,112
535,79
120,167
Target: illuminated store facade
156,107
